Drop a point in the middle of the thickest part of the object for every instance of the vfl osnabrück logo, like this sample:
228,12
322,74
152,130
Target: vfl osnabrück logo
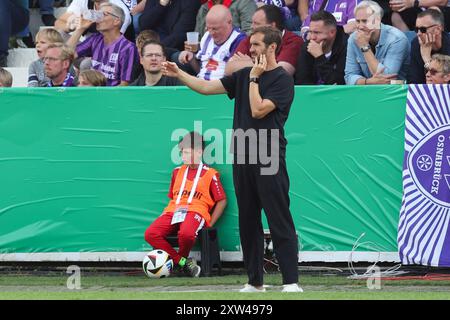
429,164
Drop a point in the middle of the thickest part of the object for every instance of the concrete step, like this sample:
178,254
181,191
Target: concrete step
21,58
20,76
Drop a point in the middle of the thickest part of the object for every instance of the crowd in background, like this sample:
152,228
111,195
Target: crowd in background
125,42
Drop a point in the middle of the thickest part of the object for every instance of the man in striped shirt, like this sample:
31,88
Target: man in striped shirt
112,54
217,45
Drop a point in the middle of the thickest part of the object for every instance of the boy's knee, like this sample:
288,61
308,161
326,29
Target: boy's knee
186,236
151,233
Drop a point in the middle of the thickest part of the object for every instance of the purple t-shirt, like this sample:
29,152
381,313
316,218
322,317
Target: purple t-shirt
341,9
115,60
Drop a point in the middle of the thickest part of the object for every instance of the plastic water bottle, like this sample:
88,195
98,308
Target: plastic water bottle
93,15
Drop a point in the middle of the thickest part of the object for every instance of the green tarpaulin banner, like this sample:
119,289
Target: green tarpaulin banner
86,170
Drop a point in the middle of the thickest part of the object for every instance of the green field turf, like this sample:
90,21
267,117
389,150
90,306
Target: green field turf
212,288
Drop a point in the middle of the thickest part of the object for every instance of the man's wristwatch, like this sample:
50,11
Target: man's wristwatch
416,3
254,79
365,48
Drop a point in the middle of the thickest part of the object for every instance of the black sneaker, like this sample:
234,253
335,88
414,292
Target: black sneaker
48,20
191,268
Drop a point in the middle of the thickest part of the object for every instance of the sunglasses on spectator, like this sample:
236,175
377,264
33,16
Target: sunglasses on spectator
424,29
432,71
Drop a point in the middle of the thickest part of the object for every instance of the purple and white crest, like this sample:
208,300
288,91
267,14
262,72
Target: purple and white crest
424,224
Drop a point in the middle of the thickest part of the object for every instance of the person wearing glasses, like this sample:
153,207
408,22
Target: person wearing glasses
77,7
376,53
112,54
438,71
152,56
431,38
57,61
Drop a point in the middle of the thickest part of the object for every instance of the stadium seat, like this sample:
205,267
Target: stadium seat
209,250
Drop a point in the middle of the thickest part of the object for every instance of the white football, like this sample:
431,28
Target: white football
157,264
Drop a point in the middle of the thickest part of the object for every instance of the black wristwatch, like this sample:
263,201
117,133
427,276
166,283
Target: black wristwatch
365,48
254,79
416,3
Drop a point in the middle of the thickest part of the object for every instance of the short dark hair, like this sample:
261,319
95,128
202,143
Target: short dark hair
193,140
273,14
271,35
146,43
436,15
327,18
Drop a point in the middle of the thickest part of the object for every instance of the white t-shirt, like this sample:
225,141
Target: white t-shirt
81,5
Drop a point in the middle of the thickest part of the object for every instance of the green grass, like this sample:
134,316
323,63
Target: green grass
118,295
112,287
141,281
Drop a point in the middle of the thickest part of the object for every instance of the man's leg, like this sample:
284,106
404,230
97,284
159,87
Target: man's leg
156,235
250,225
274,194
13,18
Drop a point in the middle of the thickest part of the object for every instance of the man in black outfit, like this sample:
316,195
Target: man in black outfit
431,38
263,96
322,58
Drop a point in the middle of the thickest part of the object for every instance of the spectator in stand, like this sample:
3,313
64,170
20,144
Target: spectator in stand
289,8
431,38
241,13
67,22
91,78
36,72
342,10
111,53
405,12
438,71
217,45
322,59
287,54
144,37
57,61
171,19
13,19
152,56
376,53
6,78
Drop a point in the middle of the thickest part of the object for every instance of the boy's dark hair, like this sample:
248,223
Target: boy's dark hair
192,140
273,14
328,19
